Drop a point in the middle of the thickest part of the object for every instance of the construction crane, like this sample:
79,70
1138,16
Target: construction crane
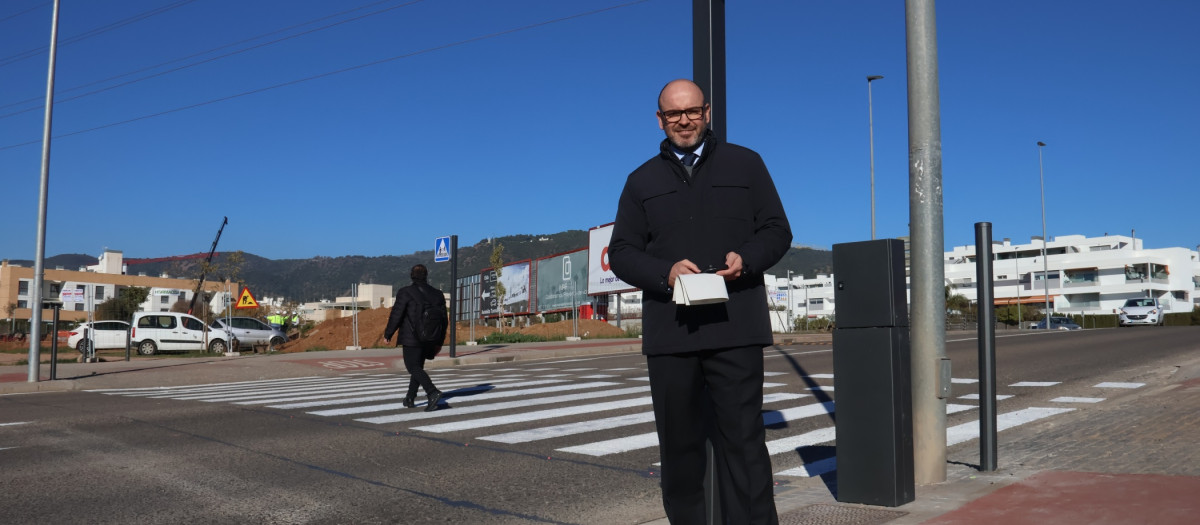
207,262
200,255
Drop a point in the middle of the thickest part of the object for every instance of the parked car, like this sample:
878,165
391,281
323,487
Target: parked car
1141,311
1057,323
161,331
250,331
106,335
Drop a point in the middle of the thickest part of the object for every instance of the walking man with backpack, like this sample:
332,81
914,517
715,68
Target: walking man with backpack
419,316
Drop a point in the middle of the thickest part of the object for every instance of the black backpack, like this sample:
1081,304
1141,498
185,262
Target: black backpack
429,326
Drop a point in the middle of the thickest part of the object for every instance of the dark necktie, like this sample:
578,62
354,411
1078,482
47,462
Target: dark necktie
689,159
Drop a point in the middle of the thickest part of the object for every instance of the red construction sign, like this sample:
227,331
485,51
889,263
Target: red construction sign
246,300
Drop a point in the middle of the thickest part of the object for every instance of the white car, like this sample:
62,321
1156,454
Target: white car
1141,311
106,334
155,331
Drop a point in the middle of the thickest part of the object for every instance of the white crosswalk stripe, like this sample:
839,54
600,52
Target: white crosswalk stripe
480,403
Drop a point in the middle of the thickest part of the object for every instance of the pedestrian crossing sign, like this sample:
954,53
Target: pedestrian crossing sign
441,249
246,300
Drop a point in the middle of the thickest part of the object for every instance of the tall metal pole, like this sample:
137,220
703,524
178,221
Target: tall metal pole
708,58
871,133
1045,239
39,261
925,219
791,305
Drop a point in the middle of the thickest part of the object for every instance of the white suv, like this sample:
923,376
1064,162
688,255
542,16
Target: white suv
155,331
1141,311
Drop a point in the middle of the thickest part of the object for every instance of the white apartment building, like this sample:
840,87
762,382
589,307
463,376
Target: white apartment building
1084,275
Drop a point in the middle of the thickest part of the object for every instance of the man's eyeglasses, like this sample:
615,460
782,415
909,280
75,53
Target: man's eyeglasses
674,115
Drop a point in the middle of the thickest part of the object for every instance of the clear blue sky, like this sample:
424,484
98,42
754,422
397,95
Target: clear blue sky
483,118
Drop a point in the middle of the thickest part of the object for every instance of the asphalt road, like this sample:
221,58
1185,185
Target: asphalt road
553,441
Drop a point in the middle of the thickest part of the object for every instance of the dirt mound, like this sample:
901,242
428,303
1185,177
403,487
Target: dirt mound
337,334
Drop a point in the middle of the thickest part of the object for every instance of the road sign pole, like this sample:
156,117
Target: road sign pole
453,292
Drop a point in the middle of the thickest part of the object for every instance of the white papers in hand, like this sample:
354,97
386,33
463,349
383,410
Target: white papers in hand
700,288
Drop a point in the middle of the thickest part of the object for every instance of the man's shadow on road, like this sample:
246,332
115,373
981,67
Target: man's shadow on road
816,454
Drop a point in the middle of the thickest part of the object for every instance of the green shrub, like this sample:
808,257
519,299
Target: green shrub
498,338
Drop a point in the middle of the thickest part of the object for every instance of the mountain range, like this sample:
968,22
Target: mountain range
305,280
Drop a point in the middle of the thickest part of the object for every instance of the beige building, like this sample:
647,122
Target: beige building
84,288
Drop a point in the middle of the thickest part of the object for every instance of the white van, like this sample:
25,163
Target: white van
173,331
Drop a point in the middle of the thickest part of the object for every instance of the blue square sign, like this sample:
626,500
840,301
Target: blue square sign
441,249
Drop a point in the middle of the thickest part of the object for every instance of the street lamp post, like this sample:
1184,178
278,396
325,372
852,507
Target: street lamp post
871,133
1045,239
791,306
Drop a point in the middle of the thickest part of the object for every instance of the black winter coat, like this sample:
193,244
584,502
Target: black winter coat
729,205
406,310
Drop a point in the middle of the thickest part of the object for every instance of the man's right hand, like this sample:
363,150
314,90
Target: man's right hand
683,267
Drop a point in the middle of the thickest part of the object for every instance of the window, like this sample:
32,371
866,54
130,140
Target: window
54,289
78,307
192,324
157,321
21,303
162,299
99,293
23,288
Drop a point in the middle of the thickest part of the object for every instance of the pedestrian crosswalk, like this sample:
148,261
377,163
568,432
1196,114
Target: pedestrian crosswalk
580,411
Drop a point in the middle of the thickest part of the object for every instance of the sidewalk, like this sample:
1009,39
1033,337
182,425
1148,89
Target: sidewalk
1131,460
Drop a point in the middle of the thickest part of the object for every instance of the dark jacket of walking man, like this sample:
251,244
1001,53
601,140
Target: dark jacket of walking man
702,205
403,319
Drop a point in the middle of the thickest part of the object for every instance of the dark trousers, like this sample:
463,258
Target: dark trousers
727,384
414,362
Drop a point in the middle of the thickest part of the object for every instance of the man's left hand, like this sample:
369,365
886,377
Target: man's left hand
733,267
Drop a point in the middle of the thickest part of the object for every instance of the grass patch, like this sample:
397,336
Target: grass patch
317,348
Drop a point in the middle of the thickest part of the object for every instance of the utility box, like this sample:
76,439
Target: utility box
872,377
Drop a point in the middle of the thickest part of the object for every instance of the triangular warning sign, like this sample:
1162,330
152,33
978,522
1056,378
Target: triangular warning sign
246,300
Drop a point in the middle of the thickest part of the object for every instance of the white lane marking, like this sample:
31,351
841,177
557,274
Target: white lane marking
807,439
620,369
809,470
822,388
577,369
568,429
1077,400
457,411
373,395
456,399
775,417
285,392
1120,385
646,378
8,448
467,399
234,389
533,416
598,376
954,408
650,439
768,374
537,434
556,375
152,390
999,397
160,388
15,423
1036,383
821,376
395,384
968,431
963,380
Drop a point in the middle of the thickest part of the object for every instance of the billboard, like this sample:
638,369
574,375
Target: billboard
562,281
515,278
600,277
